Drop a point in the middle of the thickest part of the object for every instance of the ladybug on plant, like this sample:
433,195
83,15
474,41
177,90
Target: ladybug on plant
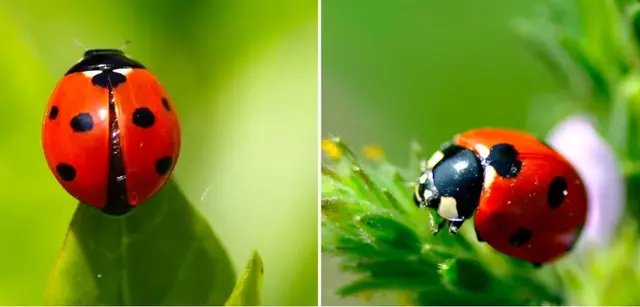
110,133
527,200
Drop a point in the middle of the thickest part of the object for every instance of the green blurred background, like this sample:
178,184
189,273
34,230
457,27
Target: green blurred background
397,71
243,77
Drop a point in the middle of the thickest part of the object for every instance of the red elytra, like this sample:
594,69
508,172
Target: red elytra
110,134
528,200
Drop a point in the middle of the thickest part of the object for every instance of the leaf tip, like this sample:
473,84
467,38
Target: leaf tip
248,289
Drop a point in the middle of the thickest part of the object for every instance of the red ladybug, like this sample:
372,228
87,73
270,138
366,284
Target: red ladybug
110,134
529,202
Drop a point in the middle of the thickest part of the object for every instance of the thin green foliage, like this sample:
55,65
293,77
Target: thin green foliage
605,275
248,290
595,46
369,219
370,222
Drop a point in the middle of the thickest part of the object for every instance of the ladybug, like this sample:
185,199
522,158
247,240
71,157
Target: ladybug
110,133
527,200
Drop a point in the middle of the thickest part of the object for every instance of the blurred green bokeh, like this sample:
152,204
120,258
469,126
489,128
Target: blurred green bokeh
397,71
243,77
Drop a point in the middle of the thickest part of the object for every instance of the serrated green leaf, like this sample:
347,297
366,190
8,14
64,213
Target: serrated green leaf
396,268
162,253
248,290
391,232
388,243
466,274
451,297
405,283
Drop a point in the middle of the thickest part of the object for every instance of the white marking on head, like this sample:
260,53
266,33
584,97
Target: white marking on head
482,150
448,208
423,178
437,157
91,73
489,175
427,194
123,71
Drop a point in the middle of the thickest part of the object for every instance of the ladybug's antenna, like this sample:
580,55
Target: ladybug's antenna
77,42
126,44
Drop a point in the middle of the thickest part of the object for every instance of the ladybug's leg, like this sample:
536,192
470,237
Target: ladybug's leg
454,226
436,223
536,265
439,227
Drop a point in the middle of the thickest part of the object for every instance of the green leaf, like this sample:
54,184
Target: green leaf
467,275
162,253
371,223
390,232
248,291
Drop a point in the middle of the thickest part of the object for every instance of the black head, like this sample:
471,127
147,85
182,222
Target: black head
104,59
453,185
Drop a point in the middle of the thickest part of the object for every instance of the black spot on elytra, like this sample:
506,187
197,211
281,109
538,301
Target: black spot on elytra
53,113
108,79
520,237
504,159
143,118
82,122
163,165
556,194
165,104
66,171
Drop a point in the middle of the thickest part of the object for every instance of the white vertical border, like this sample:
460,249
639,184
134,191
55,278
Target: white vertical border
319,140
